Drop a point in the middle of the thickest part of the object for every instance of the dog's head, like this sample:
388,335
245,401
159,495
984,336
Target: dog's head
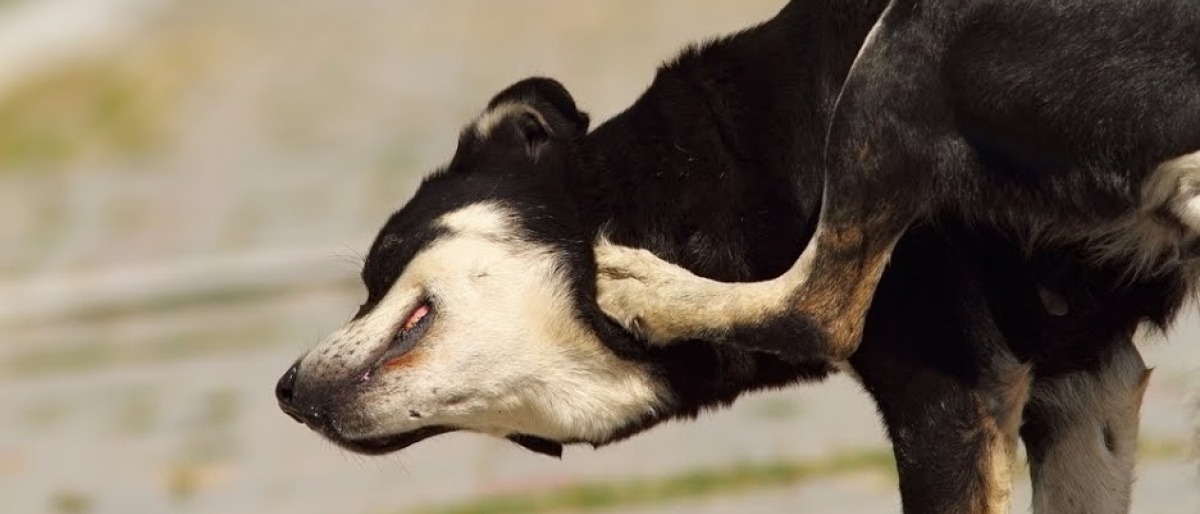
480,312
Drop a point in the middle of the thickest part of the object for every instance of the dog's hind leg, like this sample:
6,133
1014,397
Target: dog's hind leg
955,440
1081,432
950,391
890,138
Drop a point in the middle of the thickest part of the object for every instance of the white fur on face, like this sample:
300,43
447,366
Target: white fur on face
504,352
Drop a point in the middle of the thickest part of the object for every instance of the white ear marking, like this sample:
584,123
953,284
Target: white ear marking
489,119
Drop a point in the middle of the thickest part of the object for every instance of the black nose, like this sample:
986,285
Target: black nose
285,392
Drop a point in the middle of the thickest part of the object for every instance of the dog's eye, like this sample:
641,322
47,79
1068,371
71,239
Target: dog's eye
417,315
413,328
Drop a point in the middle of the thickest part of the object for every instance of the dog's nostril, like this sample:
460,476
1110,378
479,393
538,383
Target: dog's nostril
286,387
285,392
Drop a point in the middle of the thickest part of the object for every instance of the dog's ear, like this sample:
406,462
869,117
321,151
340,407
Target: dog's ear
538,109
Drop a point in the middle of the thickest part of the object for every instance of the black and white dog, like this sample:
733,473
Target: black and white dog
482,312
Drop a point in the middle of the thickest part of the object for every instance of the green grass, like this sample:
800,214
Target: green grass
707,483
119,107
697,484
70,502
89,111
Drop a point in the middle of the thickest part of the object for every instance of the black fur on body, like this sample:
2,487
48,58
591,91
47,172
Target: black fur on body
718,167
694,172
1064,122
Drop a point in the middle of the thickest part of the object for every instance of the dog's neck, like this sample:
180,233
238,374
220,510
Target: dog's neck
694,172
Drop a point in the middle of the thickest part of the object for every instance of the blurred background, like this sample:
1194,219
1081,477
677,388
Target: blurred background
186,189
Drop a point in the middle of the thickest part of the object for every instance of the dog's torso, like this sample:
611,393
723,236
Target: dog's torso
1021,286
998,317
716,170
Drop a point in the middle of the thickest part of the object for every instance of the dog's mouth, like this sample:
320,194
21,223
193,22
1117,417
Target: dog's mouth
392,443
407,336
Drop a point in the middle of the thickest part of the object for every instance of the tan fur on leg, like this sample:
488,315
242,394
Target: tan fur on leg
1003,404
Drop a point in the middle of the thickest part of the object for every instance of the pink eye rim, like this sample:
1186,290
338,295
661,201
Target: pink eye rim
422,309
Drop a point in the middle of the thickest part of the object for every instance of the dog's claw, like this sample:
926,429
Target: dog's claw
635,326
620,299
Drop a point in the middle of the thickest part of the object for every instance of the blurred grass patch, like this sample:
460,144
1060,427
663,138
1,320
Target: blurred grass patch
201,343
186,479
209,445
1162,449
70,502
120,106
45,414
699,484
183,481
175,301
137,411
211,422
221,408
738,478
777,409
78,354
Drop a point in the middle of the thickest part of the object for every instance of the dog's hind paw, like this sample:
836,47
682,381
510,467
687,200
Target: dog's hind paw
655,300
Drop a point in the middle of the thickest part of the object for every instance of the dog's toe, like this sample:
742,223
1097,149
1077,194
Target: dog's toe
629,302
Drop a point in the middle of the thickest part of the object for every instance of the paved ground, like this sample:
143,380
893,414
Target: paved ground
167,257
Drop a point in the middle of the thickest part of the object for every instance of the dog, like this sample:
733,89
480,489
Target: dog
482,310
